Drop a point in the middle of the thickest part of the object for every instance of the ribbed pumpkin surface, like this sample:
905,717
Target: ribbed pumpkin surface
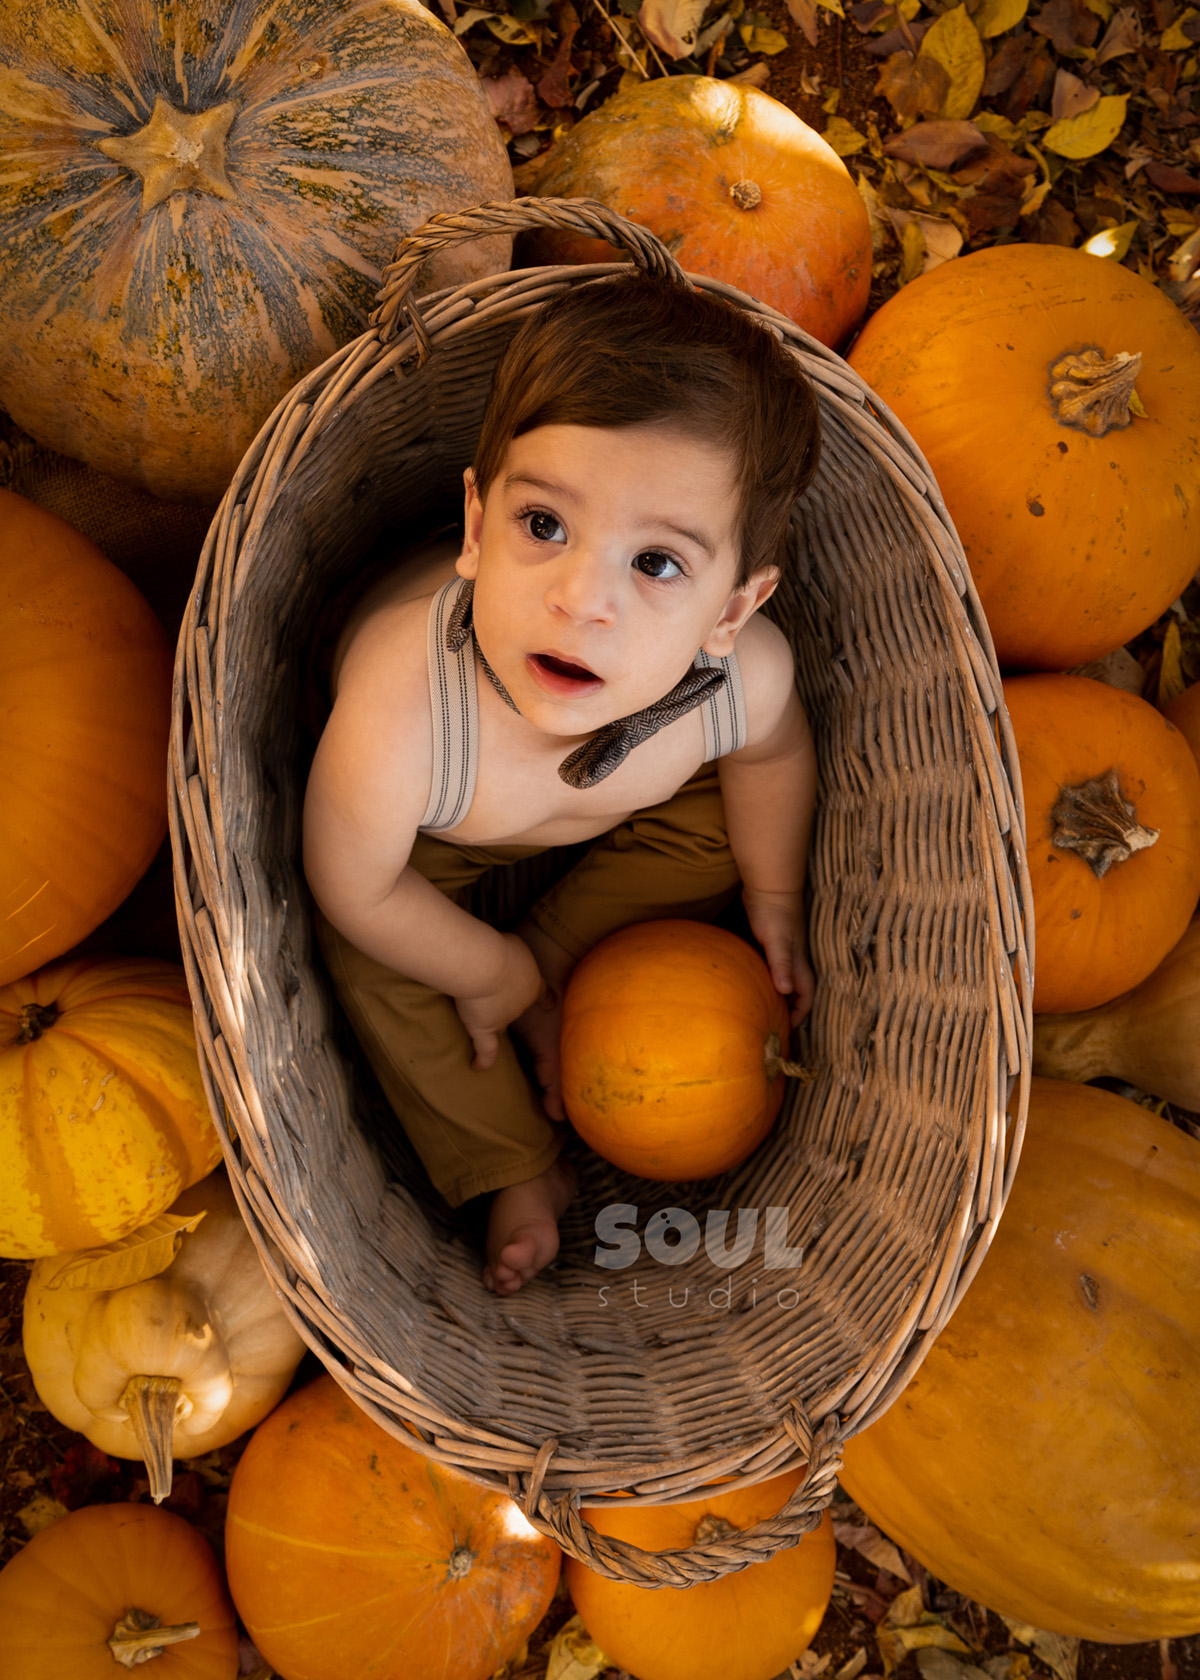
103,1117
198,199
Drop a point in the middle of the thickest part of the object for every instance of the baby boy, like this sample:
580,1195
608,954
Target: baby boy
588,665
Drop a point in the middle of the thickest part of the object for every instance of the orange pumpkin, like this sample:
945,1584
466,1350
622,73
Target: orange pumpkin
758,1620
200,197
671,1043
103,1116
85,707
734,184
349,1553
1016,370
106,1588
1043,1460
1112,804
1184,713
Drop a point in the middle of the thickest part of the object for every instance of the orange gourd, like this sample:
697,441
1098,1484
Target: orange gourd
671,1049
756,1621
85,707
1112,803
101,1590
1184,713
350,1553
1016,370
734,184
1043,1459
199,200
103,1116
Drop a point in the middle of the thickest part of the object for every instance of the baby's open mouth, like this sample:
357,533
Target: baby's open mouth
556,667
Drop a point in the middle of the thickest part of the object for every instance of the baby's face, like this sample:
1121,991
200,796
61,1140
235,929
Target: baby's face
603,560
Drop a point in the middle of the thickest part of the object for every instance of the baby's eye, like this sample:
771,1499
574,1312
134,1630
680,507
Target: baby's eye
653,563
543,527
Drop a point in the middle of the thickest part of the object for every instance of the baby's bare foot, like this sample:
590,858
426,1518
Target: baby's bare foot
523,1227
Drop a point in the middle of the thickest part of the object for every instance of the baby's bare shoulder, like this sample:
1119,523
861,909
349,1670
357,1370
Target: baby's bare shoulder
768,671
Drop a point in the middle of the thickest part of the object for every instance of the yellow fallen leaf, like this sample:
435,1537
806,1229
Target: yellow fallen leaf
993,17
991,122
513,32
1059,1651
469,18
1113,242
1101,8
1174,39
844,139
912,259
574,1655
952,41
759,36
905,1610
1090,132
832,6
1171,680
143,1254
40,1512
931,1633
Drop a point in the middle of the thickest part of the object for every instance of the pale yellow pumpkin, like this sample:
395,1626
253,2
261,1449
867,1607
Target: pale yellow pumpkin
177,1361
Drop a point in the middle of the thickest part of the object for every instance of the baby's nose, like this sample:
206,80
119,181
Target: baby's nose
582,589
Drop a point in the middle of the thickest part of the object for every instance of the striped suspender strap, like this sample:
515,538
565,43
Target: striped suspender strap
454,703
724,712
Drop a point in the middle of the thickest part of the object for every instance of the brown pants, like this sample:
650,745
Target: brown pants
481,1131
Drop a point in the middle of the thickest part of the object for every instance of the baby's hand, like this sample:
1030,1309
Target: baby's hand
541,1025
486,1014
777,920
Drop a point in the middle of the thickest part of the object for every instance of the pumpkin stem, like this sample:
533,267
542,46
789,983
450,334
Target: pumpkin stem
712,1527
36,1018
176,151
747,195
462,1559
775,1062
1094,393
1093,821
152,1404
137,1637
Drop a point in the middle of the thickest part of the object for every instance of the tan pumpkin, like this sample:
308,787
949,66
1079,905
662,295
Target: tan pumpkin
85,708
199,199
110,1588
735,185
754,1622
1149,1037
349,1553
1043,1460
167,1344
103,1116
1056,395
1112,803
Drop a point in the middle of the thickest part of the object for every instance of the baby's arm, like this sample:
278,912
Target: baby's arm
366,794
768,789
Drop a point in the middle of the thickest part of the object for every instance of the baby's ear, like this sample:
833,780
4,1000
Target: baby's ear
467,564
741,605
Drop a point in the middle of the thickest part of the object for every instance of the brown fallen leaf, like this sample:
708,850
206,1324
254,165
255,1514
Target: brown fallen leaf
804,12
866,1539
1171,180
941,144
913,86
1123,35
672,24
512,101
554,89
1068,24
1059,1651
1071,96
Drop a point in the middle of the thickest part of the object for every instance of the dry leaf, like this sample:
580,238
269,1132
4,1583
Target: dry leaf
912,85
40,1512
853,1667
1071,96
1059,1651
1174,39
844,139
759,35
513,32
1068,24
672,24
1171,678
809,1666
1092,132
143,1254
879,226
912,256
574,1655
929,1633
468,19
1185,260
939,240
1113,242
512,101
1123,35
875,1547
906,1609
1171,180
994,17
952,41
940,144
1119,670
804,12
936,1664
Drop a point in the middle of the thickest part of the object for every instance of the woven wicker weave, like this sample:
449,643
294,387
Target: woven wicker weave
894,1162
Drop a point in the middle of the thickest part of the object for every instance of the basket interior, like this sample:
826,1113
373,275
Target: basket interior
890,1162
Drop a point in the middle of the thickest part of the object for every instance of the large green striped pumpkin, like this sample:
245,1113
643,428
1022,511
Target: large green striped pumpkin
197,198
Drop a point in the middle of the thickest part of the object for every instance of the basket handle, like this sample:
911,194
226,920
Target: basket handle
513,216
618,1560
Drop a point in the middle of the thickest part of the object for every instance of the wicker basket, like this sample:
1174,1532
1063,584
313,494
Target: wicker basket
894,1162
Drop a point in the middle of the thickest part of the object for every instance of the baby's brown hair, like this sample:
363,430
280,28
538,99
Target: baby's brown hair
636,349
